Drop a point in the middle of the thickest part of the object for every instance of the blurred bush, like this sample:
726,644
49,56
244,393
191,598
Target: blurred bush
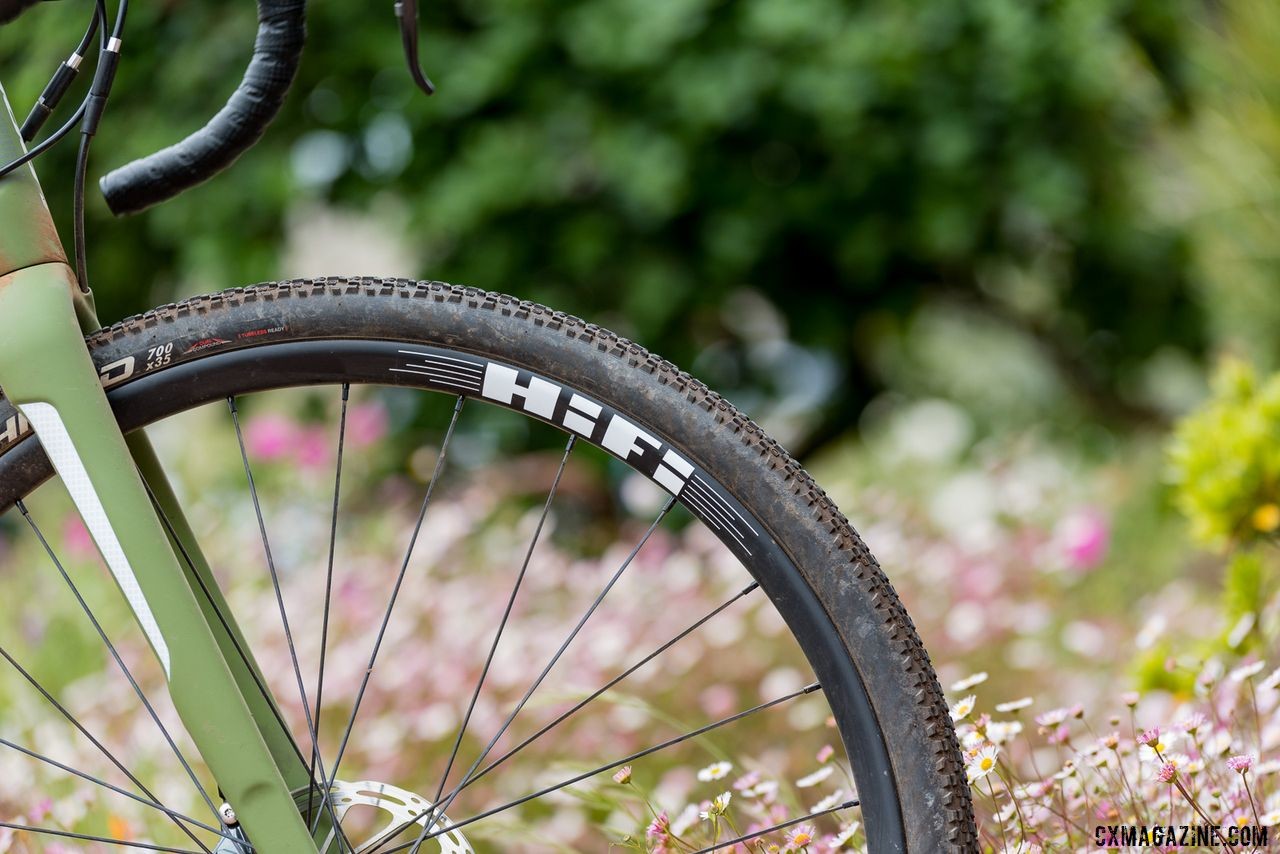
1231,204
1226,459
640,161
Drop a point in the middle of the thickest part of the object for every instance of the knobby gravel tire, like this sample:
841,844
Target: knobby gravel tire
181,342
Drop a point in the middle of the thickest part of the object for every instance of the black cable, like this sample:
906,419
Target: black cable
46,144
63,78
105,74
103,77
77,215
118,30
100,15
99,18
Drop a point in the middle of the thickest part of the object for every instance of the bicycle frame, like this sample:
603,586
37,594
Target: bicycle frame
47,373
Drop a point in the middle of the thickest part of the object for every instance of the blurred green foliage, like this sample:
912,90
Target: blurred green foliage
1226,459
639,161
1230,205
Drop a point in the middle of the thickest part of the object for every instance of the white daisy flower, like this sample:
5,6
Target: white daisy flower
1000,732
816,777
982,763
963,708
1270,819
1053,717
1272,682
1218,743
1030,790
1014,705
681,823
1192,723
831,800
969,681
1241,629
715,771
717,808
762,789
1247,671
845,834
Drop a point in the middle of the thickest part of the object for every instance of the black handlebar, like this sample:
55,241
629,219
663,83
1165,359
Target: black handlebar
163,175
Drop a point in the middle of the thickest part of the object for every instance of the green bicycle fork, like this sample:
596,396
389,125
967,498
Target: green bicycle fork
46,371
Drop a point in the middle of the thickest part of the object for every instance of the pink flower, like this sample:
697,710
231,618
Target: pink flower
366,424
75,536
1149,735
1167,772
40,811
659,827
1053,717
623,775
1241,763
802,836
718,700
311,448
826,753
1193,722
270,436
1084,537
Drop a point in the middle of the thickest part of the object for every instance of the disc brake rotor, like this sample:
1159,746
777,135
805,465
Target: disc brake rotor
403,809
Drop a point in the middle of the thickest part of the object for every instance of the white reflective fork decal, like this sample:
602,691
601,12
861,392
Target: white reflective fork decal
57,443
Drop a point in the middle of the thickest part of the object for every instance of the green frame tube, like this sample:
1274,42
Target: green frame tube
46,371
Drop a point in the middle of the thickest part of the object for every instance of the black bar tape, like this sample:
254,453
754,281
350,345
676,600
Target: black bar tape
237,126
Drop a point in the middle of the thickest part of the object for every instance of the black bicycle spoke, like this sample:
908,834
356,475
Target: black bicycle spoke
328,590
85,837
439,808
226,627
395,591
102,748
578,778
115,655
222,619
97,781
583,703
284,620
506,615
783,825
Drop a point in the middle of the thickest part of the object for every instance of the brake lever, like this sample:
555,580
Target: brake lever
407,13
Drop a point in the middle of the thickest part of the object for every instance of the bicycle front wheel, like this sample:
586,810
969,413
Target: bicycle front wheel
735,514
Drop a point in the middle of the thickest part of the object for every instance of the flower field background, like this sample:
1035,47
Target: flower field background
1024,566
